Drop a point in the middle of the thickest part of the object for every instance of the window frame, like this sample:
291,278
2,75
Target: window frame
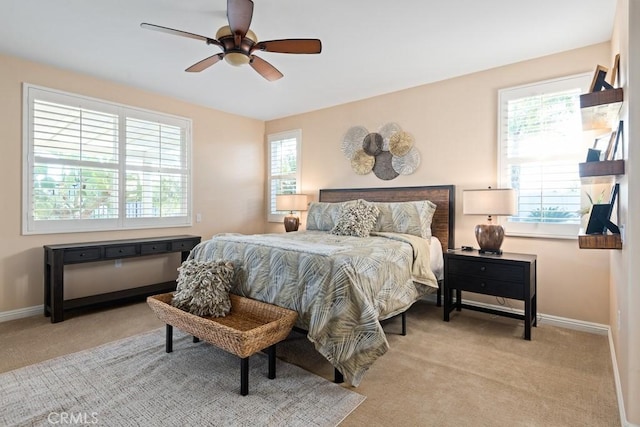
535,229
32,227
275,137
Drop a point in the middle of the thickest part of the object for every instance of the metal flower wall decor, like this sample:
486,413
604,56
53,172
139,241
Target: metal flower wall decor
388,153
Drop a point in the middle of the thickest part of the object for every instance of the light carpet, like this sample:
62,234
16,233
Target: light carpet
135,382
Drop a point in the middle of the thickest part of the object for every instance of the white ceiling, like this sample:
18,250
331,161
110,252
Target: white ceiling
370,47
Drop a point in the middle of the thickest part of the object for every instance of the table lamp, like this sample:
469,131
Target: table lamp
498,201
291,203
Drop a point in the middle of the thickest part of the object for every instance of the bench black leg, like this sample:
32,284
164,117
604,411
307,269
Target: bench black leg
271,352
244,376
169,339
338,378
404,323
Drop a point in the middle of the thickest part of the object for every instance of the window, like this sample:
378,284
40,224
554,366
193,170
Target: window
91,165
284,168
541,143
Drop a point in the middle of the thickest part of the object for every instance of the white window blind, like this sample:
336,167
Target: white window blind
541,143
92,165
283,169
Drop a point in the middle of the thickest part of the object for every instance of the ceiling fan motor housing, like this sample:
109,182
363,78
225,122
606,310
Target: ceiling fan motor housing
236,55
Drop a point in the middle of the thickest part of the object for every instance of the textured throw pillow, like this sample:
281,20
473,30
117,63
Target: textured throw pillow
356,220
203,288
322,216
406,217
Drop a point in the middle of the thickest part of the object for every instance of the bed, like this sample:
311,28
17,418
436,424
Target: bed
342,286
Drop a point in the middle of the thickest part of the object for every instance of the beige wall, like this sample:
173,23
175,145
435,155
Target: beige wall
454,124
625,269
228,174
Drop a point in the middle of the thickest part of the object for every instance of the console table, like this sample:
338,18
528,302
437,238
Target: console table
57,256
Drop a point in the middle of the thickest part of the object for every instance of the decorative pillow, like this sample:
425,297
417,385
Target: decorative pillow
356,220
406,217
322,216
203,288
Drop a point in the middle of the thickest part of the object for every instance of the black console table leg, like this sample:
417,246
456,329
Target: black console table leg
56,289
338,378
404,323
196,339
244,376
169,338
271,352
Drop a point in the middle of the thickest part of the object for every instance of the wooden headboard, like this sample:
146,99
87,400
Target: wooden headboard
442,225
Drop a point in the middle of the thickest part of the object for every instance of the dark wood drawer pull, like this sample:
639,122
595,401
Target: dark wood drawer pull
153,247
82,254
483,268
483,285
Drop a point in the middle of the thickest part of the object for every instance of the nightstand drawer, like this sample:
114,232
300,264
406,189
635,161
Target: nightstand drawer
486,269
486,286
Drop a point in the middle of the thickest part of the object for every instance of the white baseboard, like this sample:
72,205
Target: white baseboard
616,376
563,322
20,313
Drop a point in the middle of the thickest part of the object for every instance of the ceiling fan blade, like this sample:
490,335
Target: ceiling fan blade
290,46
265,69
239,14
205,63
180,33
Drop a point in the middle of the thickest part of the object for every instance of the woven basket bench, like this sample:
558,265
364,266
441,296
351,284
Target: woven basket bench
251,326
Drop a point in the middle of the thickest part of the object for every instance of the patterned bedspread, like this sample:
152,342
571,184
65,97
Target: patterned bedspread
341,286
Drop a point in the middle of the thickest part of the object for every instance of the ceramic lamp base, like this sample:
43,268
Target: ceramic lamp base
291,223
489,238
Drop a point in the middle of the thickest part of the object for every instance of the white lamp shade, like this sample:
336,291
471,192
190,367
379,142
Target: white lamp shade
489,201
291,202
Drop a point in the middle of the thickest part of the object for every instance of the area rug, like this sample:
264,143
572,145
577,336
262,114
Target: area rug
135,382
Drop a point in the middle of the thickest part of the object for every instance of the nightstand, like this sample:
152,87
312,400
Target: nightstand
509,275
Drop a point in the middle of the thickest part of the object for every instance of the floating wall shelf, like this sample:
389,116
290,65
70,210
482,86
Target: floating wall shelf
601,109
600,241
603,169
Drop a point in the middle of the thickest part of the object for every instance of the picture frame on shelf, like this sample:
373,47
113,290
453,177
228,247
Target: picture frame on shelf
599,81
614,71
609,150
614,194
600,217
600,145
617,141
593,155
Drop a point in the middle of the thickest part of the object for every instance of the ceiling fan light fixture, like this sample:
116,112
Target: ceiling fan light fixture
236,59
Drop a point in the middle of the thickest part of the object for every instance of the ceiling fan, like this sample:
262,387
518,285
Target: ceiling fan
238,42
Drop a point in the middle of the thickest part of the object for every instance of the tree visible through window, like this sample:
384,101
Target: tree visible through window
541,144
92,165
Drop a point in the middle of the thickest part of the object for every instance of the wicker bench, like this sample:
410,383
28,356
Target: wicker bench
251,326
